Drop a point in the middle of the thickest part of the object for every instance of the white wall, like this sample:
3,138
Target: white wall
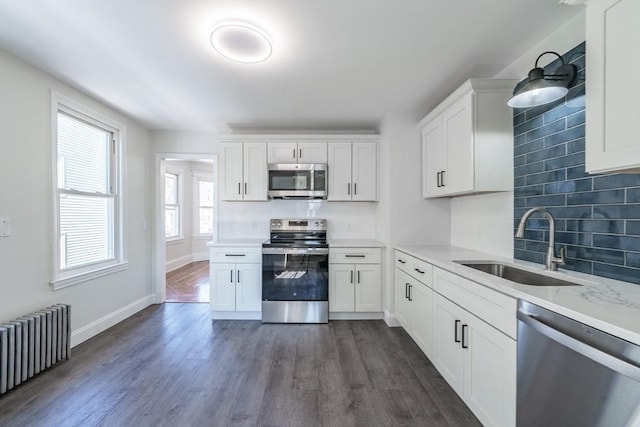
485,222
403,216
25,197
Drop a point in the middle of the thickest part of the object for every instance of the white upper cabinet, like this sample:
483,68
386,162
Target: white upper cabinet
352,171
467,141
297,152
243,171
612,86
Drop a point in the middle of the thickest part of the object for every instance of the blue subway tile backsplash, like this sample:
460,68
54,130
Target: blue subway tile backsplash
597,216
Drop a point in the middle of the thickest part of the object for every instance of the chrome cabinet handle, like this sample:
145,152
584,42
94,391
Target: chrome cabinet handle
464,341
455,331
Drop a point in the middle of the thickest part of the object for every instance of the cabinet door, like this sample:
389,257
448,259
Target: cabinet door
403,305
368,287
312,152
231,170
341,287
457,121
222,286
613,92
255,171
282,152
339,163
434,158
364,171
248,287
489,373
447,351
422,317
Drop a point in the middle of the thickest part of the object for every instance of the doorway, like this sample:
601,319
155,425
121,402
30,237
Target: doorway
186,220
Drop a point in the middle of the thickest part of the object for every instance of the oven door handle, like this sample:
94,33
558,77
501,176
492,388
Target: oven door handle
295,251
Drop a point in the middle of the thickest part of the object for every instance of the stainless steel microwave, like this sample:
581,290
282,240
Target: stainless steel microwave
297,181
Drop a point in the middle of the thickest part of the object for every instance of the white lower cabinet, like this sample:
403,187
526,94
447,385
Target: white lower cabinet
478,361
414,302
468,332
235,287
355,283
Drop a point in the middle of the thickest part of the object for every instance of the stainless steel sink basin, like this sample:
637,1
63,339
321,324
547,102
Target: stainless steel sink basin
516,274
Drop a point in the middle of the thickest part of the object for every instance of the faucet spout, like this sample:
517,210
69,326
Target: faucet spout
551,261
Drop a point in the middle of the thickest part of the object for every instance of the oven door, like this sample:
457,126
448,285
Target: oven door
295,274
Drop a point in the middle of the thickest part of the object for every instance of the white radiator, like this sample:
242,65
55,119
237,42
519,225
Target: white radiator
33,343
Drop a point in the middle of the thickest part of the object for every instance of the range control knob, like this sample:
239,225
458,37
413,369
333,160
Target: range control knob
316,223
273,223
279,224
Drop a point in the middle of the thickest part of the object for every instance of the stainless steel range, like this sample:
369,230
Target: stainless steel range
295,272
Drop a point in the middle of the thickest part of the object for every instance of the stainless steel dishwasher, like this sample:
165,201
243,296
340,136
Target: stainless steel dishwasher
570,374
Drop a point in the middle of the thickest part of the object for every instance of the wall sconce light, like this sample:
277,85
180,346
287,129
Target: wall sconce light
543,88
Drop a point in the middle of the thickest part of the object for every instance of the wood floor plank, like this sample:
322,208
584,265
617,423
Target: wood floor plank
171,365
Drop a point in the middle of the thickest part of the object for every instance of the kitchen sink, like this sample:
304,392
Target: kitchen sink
516,274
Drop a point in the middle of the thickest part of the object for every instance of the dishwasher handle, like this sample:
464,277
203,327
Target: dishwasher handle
610,361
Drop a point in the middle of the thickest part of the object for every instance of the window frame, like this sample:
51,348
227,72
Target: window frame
175,170
62,278
197,177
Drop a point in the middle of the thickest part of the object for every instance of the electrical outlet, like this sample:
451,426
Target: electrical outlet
5,227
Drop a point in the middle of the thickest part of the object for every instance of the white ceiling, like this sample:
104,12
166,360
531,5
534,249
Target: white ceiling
336,64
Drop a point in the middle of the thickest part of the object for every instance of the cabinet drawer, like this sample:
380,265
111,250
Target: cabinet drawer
354,256
496,309
238,255
415,267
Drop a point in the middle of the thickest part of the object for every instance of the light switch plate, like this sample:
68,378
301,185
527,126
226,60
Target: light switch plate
5,227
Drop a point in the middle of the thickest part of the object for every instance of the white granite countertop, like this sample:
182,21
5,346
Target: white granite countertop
355,243
238,242
609,305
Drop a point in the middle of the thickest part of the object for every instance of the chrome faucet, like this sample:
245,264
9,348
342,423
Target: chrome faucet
552,261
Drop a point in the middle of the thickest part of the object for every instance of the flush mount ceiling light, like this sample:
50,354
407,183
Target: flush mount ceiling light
543,88
241,42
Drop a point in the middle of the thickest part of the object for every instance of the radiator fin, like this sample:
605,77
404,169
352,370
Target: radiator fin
33,343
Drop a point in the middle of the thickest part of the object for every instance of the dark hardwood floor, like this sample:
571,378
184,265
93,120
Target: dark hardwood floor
189,283
171,365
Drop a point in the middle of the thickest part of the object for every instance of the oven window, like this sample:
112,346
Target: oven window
295,277
289,180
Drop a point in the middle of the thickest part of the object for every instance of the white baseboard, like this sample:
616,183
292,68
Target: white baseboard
355,316
178,262
94,328
201,256
390,320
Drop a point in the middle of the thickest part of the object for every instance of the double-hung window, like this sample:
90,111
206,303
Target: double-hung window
203,206
87,197
173,204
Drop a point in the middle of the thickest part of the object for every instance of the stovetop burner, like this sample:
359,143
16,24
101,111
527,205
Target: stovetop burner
297,233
